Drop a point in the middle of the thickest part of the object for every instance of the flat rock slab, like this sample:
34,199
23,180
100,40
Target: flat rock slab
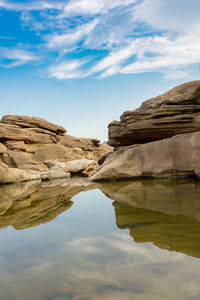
26,121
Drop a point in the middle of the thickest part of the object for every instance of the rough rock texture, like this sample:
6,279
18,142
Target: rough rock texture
176,157
175,112
160,139
29,204
26,142
162,212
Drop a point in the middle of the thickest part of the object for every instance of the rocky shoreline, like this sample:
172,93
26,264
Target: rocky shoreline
32,148
161,139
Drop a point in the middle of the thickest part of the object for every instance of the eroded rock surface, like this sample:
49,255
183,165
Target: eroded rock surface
26,142
160,139
175,112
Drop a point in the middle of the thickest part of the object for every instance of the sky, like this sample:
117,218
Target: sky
81,63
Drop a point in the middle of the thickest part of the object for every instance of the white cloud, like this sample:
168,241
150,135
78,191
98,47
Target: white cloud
16,57
71,38
93,6
66,69
121,36
35,5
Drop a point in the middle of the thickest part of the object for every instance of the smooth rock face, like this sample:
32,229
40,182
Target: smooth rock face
26,142
176,157
175,112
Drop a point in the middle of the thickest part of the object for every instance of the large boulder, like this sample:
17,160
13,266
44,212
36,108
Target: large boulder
175,112
175,157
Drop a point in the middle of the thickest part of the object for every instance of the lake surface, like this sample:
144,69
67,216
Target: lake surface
70,239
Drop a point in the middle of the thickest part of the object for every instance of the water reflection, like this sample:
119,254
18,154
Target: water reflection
83,255
29,204
164,213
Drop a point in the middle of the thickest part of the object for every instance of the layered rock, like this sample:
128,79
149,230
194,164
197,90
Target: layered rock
175,112
160,139
27,142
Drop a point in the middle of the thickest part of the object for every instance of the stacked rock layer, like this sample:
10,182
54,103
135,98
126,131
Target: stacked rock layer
175,112
27,142
159,139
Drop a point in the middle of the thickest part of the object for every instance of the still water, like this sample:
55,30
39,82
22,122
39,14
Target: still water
70,239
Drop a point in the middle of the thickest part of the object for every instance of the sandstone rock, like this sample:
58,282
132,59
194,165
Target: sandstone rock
175,157
25,121
3,149
74,166
29,135
17,175
16,145
26,142
3,170
54,174
175,112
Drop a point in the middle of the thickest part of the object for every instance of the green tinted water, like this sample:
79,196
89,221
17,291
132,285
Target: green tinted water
74,240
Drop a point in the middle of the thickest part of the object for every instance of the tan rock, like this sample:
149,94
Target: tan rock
25,121
175,157
3,170
74,166
16,145
54,174
3,149
175,112
17,175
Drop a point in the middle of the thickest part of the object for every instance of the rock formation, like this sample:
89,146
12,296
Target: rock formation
160,139
27,142
175,112
30,204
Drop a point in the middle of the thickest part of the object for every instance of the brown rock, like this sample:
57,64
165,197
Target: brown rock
175,157
3,149
16,145
25,121
175,112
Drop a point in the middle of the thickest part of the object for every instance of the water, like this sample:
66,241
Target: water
75,240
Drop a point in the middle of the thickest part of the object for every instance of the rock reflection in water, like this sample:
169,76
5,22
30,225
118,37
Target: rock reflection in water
166,214
29,204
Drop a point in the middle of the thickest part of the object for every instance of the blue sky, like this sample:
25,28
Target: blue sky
81,63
